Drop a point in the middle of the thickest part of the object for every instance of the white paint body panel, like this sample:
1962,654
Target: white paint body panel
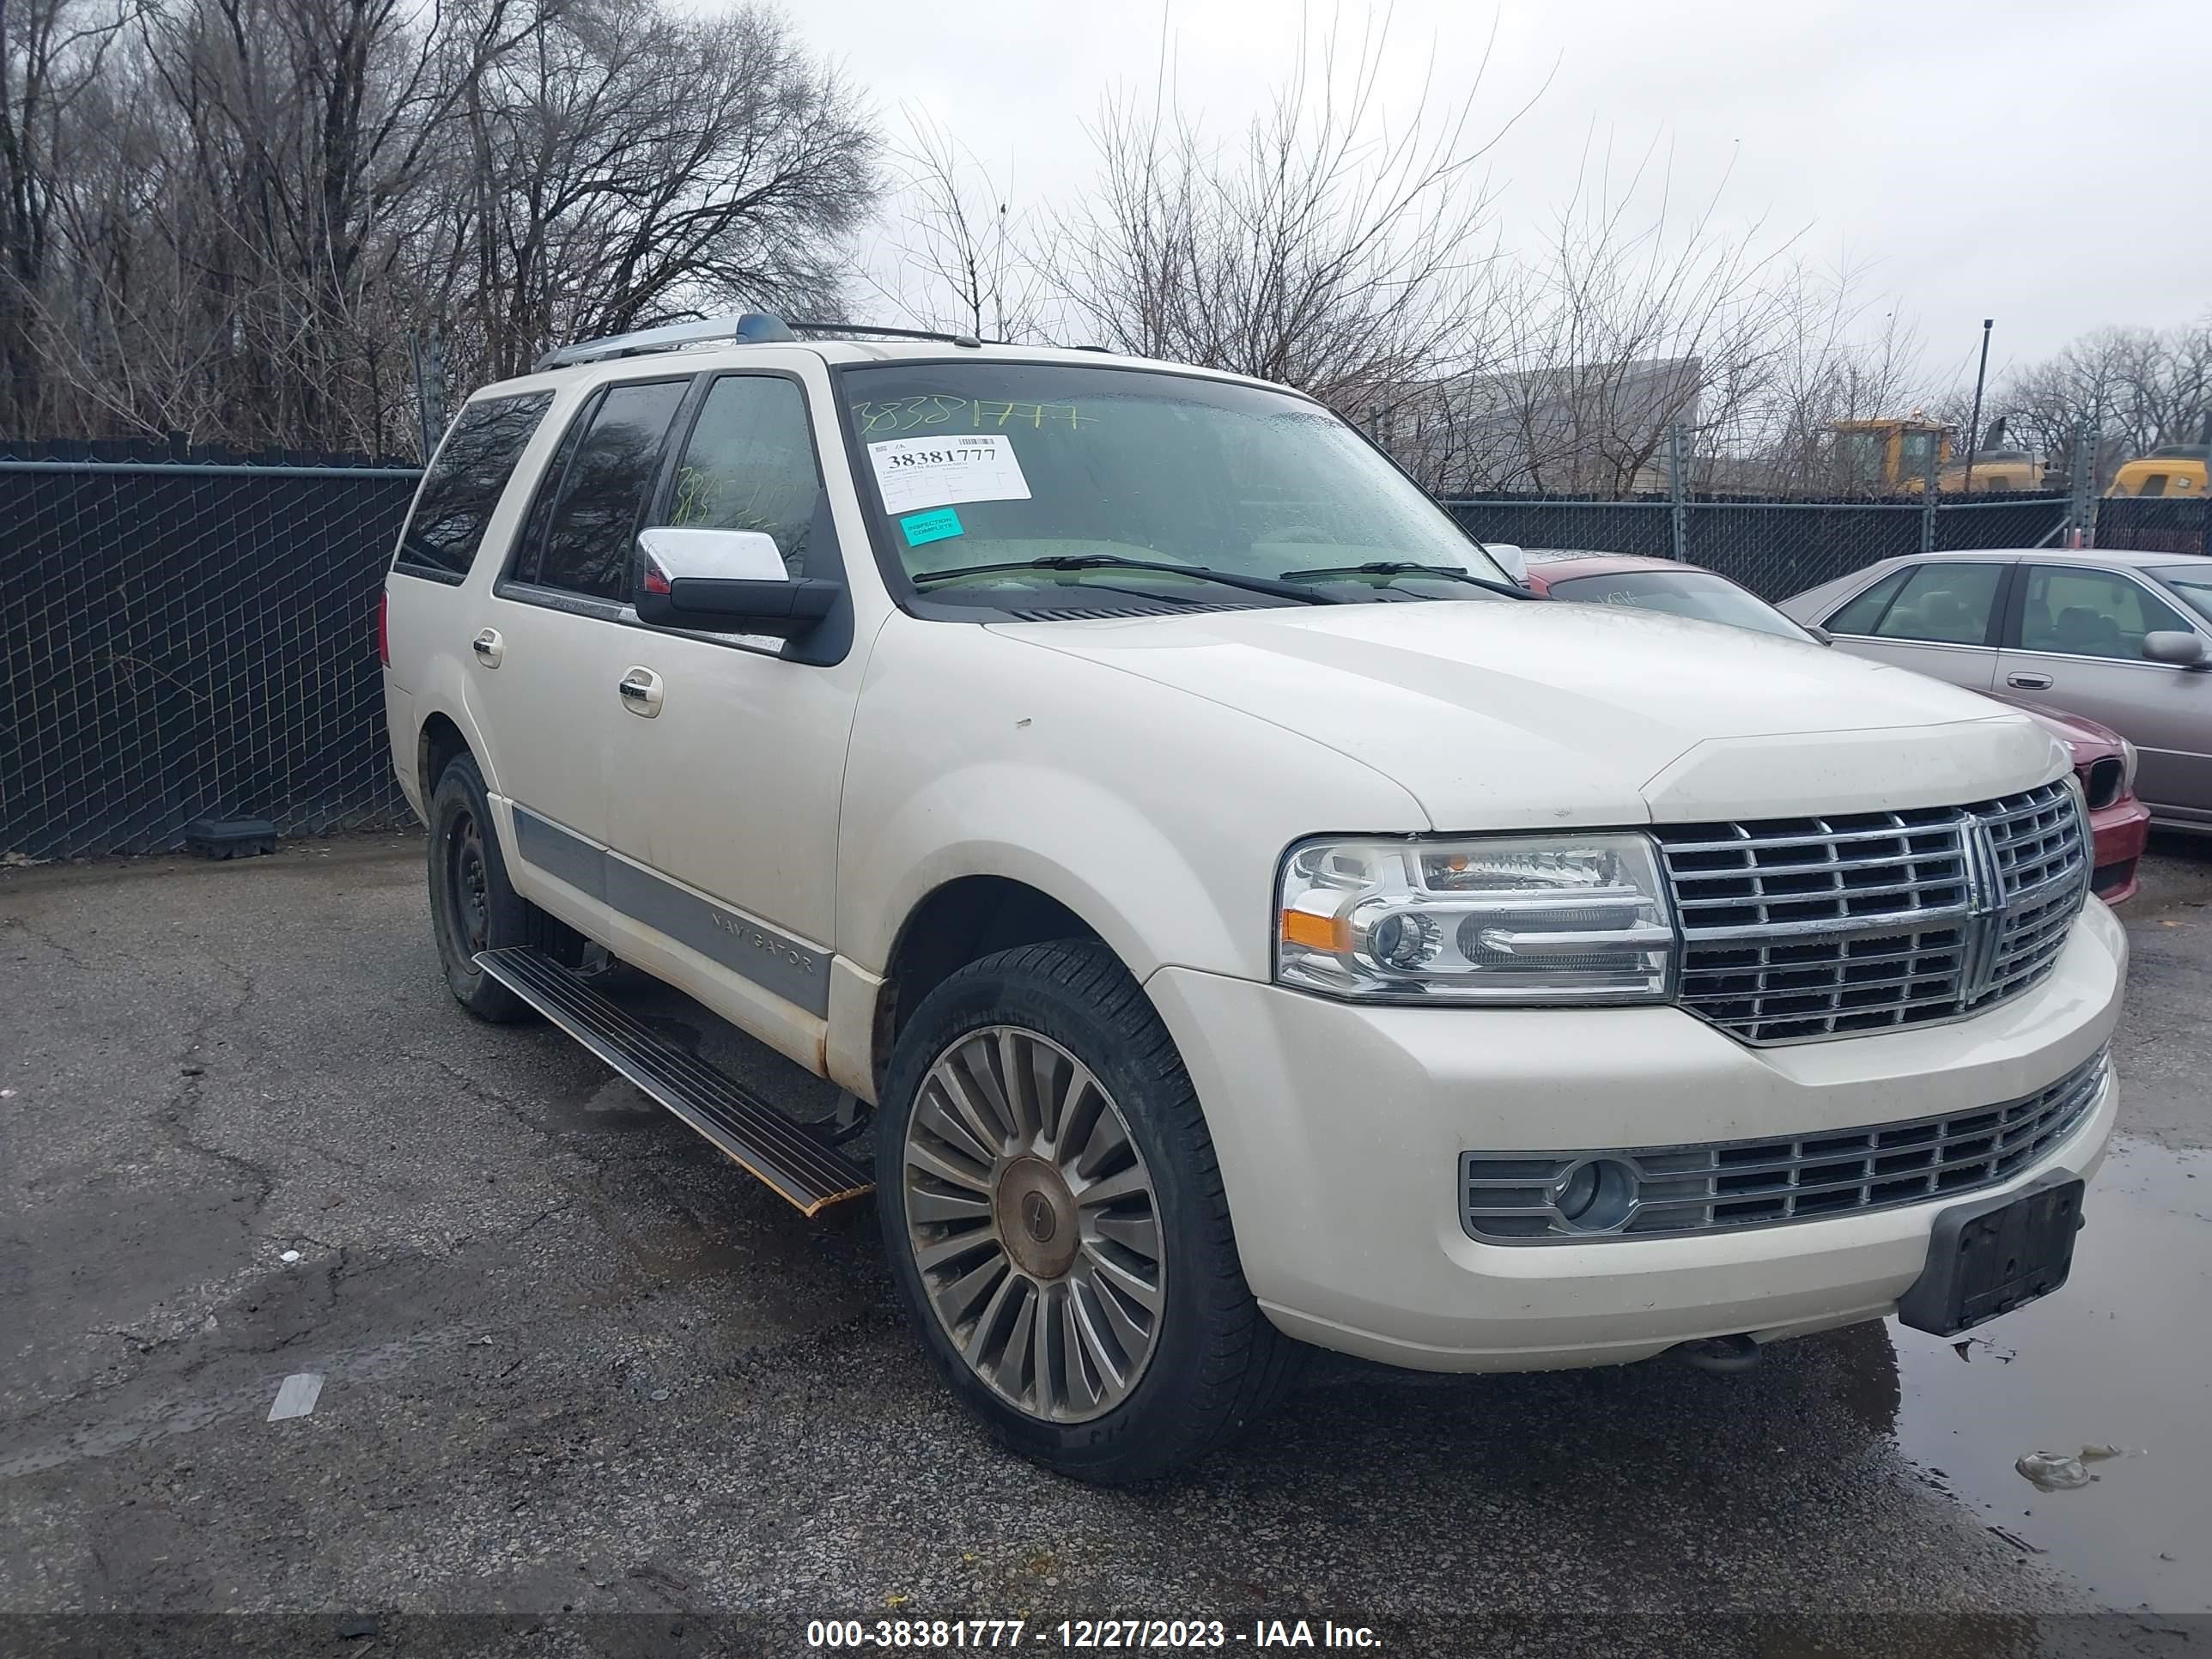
1149,774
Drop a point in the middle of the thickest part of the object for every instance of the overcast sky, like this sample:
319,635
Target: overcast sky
2048,164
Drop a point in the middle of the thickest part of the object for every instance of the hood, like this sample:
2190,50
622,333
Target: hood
1504,715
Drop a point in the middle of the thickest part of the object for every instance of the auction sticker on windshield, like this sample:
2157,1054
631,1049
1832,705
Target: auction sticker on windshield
915,473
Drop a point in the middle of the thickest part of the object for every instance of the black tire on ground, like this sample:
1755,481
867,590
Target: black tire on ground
1217,1365
473,905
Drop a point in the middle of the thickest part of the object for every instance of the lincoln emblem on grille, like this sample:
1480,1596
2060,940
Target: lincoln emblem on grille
1983,926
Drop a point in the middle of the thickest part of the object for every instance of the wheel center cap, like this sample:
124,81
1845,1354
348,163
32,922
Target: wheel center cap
1037,1217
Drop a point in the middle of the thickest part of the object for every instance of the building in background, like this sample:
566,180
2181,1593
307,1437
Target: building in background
1582,429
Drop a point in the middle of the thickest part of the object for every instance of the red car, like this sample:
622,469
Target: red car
2103,759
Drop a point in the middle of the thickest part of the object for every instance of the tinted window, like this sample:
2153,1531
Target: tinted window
749,464
465,482
1698,593
1944,603
2089,613
587,541
530,544
1860,616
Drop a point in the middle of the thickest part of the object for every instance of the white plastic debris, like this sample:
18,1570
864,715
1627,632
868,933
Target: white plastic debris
2053,1471
289,1255
296,1395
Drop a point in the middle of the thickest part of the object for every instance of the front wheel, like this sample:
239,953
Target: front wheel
1054,1217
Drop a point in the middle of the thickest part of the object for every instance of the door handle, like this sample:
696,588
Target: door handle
488,647
2028,682
640,690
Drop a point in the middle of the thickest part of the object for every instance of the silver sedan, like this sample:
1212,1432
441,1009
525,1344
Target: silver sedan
2121,637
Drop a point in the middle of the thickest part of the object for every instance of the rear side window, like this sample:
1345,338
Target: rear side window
464,483
749,465
1942,604
1860,616
1946,604
610,473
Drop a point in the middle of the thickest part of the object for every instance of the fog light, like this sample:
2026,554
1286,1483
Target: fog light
1595,1195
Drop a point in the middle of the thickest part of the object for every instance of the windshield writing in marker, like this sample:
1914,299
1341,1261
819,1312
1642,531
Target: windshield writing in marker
883,418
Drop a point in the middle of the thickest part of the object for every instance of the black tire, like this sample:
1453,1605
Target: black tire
1218,1366
473,905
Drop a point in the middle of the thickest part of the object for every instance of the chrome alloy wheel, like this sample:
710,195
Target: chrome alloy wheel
1034,1224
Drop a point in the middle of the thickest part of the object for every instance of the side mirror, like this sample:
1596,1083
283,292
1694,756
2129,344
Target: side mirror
1508,558
724,582
2176,648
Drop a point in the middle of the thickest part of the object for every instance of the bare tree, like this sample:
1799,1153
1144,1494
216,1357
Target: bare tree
1330,249
252,203
961,257
1836,358
2142,386
52,53
632,166
1635,316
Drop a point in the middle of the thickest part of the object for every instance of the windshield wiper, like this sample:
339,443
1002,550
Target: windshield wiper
1394,567
1280,589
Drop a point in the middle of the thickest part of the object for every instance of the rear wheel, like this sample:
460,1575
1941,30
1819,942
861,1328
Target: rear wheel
1054,1217
473,906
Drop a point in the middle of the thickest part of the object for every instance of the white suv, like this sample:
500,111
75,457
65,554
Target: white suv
1240,916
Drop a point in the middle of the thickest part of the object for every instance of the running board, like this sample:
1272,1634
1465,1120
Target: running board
798,1162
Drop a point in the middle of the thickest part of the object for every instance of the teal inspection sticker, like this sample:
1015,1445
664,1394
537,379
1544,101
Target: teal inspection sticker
922,528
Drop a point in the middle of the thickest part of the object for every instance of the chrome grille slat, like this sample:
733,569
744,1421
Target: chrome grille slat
1723,1186
1784,919
1839,891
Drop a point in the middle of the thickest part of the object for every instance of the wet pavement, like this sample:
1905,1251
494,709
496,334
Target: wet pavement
576,1367
2121,1358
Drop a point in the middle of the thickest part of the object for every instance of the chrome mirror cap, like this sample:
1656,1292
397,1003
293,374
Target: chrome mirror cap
677,551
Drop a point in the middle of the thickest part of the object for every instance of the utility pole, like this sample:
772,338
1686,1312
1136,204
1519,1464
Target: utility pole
1928,499
1678,513
2081,513
1974,428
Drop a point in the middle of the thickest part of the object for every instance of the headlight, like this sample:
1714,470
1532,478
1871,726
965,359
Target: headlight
2128,758
1531,919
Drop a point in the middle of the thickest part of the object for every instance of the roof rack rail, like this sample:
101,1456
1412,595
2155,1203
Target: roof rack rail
744,328
890,333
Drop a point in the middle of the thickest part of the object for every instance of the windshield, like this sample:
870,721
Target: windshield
1698,593
2191,583
1010,464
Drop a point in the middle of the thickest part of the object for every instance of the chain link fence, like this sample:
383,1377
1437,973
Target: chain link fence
1774,548
2152,524
184,641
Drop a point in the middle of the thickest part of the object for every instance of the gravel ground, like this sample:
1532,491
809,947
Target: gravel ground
587,1381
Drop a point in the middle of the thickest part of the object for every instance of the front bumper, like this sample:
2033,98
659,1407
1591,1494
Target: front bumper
2118,833
1340,1127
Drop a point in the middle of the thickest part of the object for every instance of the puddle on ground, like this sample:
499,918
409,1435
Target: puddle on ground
2120,1357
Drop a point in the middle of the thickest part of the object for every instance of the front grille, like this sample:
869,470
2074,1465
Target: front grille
1723,1185
1798,929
